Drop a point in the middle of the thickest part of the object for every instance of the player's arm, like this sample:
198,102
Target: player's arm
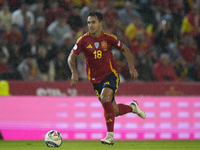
72,66
129,58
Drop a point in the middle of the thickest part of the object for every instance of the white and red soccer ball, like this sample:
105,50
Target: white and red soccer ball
53,139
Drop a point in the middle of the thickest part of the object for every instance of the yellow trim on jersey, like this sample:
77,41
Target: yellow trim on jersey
116,74
89,74
110,35
86,34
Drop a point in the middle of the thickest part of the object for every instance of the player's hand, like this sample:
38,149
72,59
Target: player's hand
74,79
133,73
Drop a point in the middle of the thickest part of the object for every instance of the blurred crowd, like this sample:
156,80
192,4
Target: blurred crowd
36,37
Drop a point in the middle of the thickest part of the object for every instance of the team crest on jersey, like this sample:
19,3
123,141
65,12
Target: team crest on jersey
96,44
104,45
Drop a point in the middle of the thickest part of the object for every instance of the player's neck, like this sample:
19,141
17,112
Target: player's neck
97,34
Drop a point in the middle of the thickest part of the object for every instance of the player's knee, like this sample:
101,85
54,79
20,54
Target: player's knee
116,112
105,98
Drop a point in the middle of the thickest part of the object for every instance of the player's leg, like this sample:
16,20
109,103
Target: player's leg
109,114
122,109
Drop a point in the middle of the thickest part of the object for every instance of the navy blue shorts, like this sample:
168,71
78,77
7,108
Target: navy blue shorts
111,81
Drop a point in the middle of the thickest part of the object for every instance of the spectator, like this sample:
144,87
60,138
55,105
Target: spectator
102,4
180,67
194,70
26,28
164,35
40,30
58,28
128,14
144,68
191,24
122,66
4,66
38,10
51,46
4,45
43,63
163,70
81,65
139,44
111,15
53,11
6,71
132,29
30,46
175,8
19,15
14,34
153,55
28,68
93,6
5,17
60,67
67,5
173,52
75,20
15,58
188,49
148,11
68,43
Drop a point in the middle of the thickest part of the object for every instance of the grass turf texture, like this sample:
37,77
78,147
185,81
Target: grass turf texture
96,145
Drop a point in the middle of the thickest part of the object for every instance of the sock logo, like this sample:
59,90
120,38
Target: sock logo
108,83
109,120
108,114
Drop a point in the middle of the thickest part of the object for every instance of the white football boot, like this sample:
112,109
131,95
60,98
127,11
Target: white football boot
108,139
137,110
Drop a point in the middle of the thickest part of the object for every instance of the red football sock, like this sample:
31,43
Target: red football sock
109,116
124,109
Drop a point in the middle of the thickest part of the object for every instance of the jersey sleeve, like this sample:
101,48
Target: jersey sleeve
115,42
78,46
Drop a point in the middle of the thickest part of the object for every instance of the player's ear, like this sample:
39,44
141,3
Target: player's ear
101,22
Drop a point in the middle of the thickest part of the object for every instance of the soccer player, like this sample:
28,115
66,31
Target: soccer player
101,70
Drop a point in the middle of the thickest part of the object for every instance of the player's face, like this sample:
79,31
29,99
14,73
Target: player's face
93,24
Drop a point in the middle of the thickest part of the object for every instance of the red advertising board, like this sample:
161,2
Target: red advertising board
63,88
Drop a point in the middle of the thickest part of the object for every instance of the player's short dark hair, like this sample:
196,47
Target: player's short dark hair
97,14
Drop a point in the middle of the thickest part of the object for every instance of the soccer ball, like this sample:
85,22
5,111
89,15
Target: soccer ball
53,139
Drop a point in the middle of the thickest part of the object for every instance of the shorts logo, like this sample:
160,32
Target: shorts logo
89,46
108,83
96,44
104,45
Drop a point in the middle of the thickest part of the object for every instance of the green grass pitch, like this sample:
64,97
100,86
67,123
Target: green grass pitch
96,145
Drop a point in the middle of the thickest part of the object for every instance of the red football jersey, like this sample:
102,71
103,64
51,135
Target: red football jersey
98,54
